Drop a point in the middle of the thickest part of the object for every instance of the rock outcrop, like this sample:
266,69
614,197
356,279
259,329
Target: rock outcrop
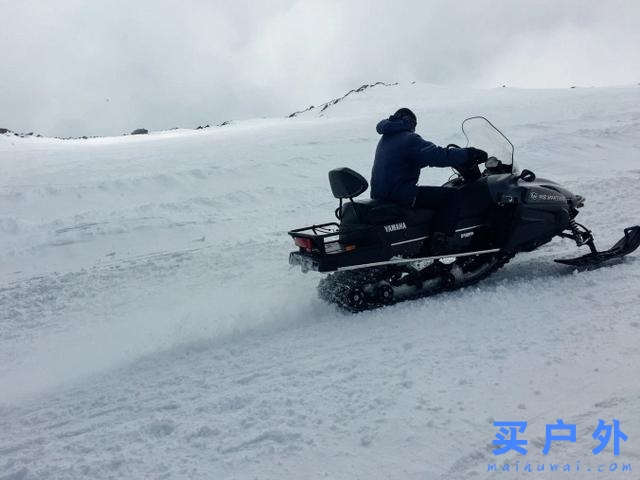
330,103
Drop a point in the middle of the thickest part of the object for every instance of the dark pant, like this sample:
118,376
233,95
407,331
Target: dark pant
445,203
472,200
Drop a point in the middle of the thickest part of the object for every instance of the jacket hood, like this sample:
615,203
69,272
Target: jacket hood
393,125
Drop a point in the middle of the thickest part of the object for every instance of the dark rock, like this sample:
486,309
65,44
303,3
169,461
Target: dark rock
360,89
200,127
140,131
4,130
226,122
311,107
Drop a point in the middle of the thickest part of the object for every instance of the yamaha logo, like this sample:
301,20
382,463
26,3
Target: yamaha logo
394,227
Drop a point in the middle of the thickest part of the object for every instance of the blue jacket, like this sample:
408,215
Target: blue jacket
400,155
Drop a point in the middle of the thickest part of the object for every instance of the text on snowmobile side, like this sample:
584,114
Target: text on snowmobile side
394,227
546,197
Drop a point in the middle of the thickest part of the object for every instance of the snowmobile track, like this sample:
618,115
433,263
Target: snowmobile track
335,287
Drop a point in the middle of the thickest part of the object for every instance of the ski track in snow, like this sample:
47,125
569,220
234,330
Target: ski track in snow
150,326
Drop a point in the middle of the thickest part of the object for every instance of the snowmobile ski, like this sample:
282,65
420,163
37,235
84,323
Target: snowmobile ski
596,259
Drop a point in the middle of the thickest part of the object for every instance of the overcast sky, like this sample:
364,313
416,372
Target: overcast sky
72,67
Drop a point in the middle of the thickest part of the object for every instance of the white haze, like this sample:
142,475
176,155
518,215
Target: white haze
87,68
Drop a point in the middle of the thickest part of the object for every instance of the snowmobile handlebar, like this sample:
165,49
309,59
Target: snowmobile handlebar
469,172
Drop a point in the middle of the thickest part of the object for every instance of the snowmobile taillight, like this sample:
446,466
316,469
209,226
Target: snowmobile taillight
348,248
302,242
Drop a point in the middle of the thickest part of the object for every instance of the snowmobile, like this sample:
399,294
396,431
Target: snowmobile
380,253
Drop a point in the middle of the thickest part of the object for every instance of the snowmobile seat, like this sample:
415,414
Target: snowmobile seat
380,212
348,184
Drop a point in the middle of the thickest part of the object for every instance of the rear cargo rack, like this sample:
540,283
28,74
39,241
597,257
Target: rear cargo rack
325,238
323,230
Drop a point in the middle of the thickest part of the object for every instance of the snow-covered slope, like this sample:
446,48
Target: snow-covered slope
150,326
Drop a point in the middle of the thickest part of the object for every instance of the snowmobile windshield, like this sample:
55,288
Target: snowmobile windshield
481,133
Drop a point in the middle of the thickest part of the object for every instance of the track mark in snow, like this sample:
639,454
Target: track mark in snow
161,428
286,439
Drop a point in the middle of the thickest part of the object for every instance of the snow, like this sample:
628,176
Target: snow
150,326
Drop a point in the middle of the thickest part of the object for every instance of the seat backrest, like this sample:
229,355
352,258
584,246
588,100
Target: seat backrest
347,183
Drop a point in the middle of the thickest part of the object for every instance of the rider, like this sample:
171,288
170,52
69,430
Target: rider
401,154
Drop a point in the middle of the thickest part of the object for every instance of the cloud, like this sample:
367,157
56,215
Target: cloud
106,67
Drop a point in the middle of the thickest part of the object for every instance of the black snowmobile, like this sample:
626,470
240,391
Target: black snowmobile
380,253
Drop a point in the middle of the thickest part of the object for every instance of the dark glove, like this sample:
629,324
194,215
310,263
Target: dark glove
476,156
